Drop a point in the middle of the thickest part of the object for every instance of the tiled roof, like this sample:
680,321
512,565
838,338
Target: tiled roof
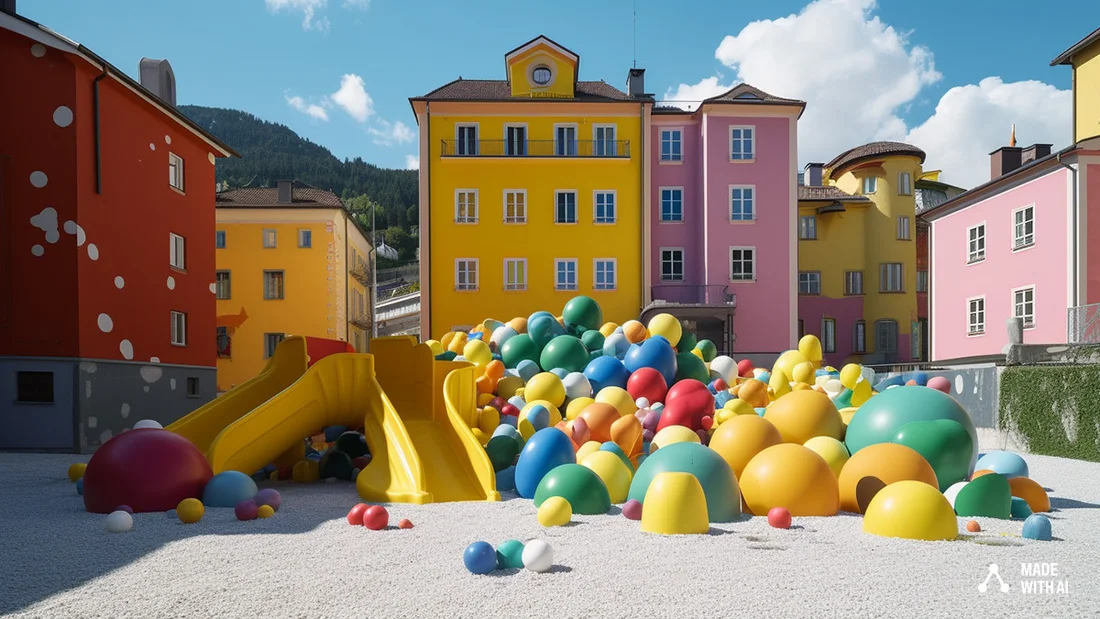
302,195
500,90
872,151
814,193
1066,57
744,93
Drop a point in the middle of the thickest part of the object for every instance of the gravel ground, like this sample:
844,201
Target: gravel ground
59,561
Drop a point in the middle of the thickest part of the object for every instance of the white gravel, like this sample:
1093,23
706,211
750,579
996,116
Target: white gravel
59,561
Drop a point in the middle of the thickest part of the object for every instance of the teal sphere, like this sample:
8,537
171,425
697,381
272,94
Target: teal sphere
583,311
714,475
510,555
592,340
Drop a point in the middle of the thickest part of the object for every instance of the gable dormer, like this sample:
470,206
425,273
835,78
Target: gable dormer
542,69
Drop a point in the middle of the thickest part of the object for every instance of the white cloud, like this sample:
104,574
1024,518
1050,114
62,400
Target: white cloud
353,97
312,109
388,134
412,162
312,19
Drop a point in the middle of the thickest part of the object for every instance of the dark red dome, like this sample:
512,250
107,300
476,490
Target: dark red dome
149,469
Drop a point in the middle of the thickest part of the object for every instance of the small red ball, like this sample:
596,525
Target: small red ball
744,368
376,518
355,516
973,527
779,517
720,384
707,422
405,524
286,472
498,402
361,462
510,410
246,510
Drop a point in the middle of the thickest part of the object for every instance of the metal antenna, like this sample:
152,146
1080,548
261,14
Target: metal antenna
635,34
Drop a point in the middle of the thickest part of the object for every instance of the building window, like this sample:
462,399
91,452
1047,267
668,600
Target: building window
976,244
809,282
466,274
1023,305
177,251
466,140
271,238
886,337
192,386
905,184
565,274
853,282
741,203
175,171
605,144
274,285
605,207
221,285
179,328
671,144
466,206
565,140
860,337
672,265
922,281
305,239
566,211
828,335
975,316
1024,227
890,277
541,75
515,140
34,387
672,204
742,144
271,342
605,274
515,274
870,183
225,343
903,228
219,239
515,206
807,227
742,264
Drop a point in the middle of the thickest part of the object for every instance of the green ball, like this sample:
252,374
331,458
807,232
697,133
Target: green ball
714,475
583,311
709,350
1020,509
690,366
989,496
565,352
502,451
687,342
579,485
592,340
510,555
446,355
944,443
518,348
353,444
336,464
844,400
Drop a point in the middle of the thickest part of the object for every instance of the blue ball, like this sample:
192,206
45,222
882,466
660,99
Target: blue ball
765,377
333,432
1006,463
721,398
480,558
889,382
921,378
517,401
542,329
80,486
506,479
259,476
509,421
1037,526
527,369
506,430
497,357
655,353
760,411
560,372
532,317
606,372
476,336
545,450
616,344
539,416
228,488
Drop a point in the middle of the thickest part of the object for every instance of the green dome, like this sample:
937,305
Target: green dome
579,485
564,351
714,475
583,311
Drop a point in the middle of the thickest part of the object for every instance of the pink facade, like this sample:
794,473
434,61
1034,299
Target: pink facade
846,313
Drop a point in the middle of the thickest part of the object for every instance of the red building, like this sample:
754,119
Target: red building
107,306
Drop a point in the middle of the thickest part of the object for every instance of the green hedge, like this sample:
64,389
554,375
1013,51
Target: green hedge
1054,409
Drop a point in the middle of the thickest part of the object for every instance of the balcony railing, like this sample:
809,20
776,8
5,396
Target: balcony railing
361,273
692,294
361,320
600,149
1084,324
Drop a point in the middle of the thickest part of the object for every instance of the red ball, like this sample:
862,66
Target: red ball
498,403
647,383
779,517
707,422
405,524
355,516
286,472
361,462
686,404
246,510
149,469
510,410
376,518
744,368
720,384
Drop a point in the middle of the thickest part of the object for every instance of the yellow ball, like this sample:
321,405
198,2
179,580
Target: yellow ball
190,511
608,328
615,475
861,393
488,420
787,361
850,374
265,511
508,385
789,476
477,352
698,353
445,341
526,429
741,438
831,450
911,510
545,386
458,343
576,406
76,471
619,398
675,505
481,437
779,385
634,331
306,471
804,373
802,415
673,434
667,326
810,348
437,348
587,449
554,512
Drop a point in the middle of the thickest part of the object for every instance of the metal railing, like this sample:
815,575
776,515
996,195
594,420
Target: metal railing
694,294
361,273
1083,324
536,148
362,321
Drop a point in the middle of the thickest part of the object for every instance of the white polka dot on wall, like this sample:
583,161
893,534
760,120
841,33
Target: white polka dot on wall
46,221
63,116
39,179
154,359
145,388
172,383
126,348
211,157
167,139
214,288
119,282
125,410
38,250
38,50
93,251
171,283
70,227
152,146
105,323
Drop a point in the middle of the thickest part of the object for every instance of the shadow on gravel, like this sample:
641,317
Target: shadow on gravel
1060,503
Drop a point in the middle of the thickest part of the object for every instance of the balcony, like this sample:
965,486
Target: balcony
533,149
361,320
692,294
361,274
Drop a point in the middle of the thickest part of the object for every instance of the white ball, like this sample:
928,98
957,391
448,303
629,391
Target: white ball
953,491
119,522
501,335
577,385
642,402
726,368
538,556
833,385
148,423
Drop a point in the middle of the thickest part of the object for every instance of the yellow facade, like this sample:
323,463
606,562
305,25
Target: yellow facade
1086,93
324,286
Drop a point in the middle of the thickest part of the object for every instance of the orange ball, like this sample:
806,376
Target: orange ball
495,369
876,466
741,437
802,415
754,392
1030,491
600,417
789,476
626,432
634,331
519,325
973,526
979,473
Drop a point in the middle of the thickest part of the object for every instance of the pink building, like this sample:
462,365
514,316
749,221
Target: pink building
724,192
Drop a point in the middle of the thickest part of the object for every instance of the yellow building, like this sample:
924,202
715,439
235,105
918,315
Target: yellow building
1084,57
290,261
531,192
857,254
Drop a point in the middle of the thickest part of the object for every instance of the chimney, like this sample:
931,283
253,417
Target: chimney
635,83
1035,151
158,78
811,174
7,6
285,191
1004,160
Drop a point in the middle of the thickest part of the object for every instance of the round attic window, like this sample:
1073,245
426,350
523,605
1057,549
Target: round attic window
541,75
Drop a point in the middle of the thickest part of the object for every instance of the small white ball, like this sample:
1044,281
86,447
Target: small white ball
538,556
642,402
577,385
148,423
119,522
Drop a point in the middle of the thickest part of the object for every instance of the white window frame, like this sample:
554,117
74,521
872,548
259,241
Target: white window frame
905,184
729,260
576,207
596,206
516,219
1019,243
751,200
177,251
807,233
466,219
904,228
302,234
859,336
661,204
268,293
468,287
519,282
274,238
883,277
873,181
178,331
809,278
175,172
1016,304
614,262
751,142
828,336
614,141
971,331
558,285
850,279
526,138
975,255
671,261
557,142
477,139
672,158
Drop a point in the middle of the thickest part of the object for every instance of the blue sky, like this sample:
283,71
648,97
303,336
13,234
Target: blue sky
258,55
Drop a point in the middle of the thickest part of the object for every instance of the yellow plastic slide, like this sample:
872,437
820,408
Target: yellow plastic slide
422,448
284,367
